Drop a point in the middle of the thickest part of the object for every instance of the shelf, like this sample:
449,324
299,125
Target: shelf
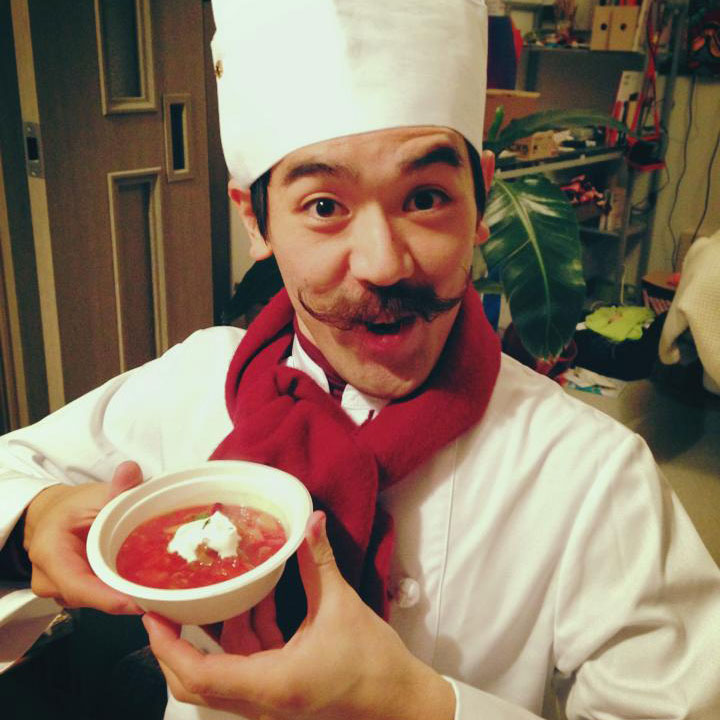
528,4
587,211
559,49
509,168
635,229
663,55
572,77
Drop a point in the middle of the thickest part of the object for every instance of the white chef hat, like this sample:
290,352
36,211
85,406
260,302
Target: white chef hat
291,73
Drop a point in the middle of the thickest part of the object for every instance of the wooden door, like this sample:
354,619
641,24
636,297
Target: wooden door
113,101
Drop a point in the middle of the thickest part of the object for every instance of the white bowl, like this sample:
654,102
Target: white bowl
226,481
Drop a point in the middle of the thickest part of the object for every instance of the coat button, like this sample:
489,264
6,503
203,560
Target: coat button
406,592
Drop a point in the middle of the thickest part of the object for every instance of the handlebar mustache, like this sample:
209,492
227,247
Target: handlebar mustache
381,305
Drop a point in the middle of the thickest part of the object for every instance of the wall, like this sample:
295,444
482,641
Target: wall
690,186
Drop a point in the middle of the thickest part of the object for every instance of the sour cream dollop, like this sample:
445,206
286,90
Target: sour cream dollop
217,532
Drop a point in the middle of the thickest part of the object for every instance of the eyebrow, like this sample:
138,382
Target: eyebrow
442,155
313,168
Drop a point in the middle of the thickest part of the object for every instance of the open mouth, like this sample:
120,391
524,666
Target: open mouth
390,328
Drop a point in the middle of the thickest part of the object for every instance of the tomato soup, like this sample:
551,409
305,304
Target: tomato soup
144,557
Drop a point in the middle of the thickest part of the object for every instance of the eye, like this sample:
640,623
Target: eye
426,199
325,208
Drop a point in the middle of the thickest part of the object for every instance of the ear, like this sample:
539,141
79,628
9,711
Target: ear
487,164
259,247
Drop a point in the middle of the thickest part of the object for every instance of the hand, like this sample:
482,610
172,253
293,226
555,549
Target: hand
344,663
56,525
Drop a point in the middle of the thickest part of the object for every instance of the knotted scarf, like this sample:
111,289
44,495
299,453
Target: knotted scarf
282,418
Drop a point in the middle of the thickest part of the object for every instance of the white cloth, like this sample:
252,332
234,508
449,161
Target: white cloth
540,545
696,306
292,73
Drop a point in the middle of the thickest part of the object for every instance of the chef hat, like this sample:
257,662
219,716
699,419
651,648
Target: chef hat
291,73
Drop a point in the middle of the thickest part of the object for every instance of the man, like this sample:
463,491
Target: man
533,539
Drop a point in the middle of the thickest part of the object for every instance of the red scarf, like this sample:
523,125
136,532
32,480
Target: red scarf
282,418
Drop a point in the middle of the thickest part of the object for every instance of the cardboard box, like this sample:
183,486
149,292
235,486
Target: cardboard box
600,27
517,103
536,147
615,217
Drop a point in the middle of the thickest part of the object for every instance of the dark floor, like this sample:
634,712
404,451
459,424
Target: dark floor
99,670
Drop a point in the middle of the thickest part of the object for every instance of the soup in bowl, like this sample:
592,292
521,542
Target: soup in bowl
202,544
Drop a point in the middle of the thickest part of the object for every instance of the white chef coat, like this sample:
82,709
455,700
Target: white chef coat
540,545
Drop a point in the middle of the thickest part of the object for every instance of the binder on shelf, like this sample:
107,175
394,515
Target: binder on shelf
615,27
623,27
639,39
626,101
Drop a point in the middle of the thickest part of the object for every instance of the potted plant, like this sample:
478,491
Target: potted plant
534,246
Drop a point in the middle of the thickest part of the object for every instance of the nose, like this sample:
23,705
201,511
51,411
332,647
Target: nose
379,255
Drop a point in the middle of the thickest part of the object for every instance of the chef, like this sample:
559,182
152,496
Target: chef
482,538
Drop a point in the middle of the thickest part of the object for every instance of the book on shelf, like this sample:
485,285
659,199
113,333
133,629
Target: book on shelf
626,101
641,29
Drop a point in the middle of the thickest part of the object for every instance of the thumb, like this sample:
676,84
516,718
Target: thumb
318,569
127,475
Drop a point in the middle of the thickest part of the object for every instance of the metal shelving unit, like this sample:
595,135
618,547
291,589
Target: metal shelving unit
630,228
634,229
585,158
509,168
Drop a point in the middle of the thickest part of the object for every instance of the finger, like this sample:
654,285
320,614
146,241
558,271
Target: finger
238,636
250,680
127,475
265,624
42,586
78,585
87,591
318,570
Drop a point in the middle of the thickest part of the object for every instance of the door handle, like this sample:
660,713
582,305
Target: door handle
33,150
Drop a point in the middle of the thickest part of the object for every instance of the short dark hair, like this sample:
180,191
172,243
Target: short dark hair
259,190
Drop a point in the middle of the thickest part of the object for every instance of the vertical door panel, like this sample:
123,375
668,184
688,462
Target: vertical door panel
91,137
136,297
139,264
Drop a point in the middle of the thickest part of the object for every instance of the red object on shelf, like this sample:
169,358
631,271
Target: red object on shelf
647,102
517,40
658,290
612,134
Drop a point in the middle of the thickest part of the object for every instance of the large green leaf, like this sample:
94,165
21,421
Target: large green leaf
534,241
550,120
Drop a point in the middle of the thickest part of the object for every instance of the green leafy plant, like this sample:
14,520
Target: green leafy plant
534,240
